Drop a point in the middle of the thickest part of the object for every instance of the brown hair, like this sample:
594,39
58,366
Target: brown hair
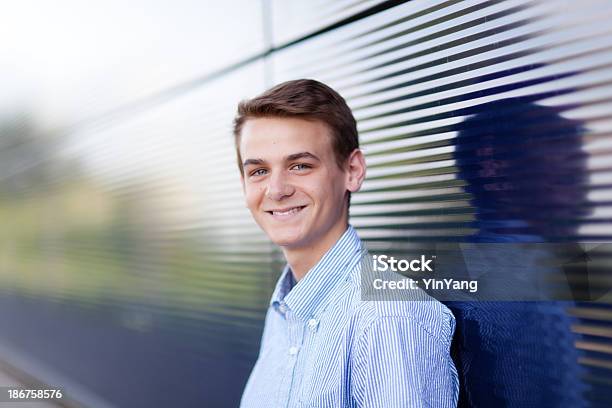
305,99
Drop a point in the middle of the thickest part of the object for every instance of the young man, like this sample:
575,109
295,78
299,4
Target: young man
323,346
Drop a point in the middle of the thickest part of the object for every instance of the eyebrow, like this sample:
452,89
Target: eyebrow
252,161
302,155
291,157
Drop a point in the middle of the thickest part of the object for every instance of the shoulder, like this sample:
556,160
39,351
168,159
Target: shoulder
428,317
414,312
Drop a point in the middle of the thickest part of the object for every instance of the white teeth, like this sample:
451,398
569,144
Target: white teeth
288,212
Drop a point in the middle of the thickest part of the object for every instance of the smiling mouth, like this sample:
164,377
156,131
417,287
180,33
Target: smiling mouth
287,211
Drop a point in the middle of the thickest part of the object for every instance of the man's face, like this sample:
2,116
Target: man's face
292,183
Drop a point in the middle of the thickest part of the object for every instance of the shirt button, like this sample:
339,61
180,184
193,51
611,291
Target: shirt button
282,308
313,324
293,350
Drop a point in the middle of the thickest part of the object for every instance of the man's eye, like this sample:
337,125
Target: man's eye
258,172
301,166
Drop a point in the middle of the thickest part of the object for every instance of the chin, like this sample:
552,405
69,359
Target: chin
286,239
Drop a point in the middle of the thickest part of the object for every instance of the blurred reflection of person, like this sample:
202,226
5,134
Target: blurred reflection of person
525,169
323,345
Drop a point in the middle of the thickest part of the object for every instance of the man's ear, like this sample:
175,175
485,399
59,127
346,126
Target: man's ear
356,168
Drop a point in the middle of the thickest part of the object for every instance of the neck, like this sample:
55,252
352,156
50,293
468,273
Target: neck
302,259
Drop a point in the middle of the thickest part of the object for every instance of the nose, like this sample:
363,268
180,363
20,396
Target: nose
278,187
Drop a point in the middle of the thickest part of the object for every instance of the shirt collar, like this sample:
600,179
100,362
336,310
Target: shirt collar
283,286
312,291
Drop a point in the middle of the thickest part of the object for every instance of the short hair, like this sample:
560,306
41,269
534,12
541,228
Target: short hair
304,99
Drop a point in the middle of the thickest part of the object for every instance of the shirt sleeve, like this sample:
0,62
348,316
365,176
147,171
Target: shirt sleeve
398,363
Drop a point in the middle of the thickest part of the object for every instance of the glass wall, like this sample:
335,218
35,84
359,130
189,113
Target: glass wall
130,269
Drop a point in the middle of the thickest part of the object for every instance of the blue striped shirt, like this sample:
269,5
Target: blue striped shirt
323,346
